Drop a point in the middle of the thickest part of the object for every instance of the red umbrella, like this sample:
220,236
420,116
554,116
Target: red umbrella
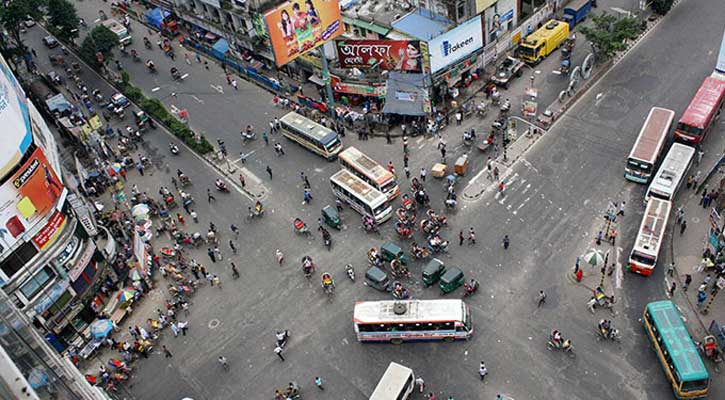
91,379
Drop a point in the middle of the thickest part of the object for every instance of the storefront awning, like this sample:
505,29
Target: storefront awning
407,94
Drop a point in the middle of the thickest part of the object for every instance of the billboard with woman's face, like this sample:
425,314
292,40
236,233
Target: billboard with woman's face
398,55
299,26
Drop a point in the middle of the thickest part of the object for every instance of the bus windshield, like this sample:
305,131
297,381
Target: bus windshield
691,386
691,130
639,165
643,258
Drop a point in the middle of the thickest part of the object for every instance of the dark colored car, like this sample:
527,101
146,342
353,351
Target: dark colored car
50,42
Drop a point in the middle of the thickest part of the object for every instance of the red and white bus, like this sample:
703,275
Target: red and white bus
643,258
370,171
703,110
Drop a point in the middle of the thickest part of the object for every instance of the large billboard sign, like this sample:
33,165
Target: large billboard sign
398,55
14,120
26,198
455,44
297,27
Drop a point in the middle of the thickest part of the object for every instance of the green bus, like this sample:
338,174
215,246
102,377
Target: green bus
676,350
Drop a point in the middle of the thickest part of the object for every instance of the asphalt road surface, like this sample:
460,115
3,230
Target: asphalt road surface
552,209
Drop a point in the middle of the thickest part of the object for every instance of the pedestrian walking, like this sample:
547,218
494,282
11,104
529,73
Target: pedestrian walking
688,281
405,145
671,269
683,227
187,59
471,236
232,246
460,238
423,173
600,236
174,329
180,218
216,281
206,64
391,167
542,298
211,254
489,169
671,292
242,181
407,172
229,79
278,351
388,140
198,57
421,384
235,271
209,196
223,362
307,182
234,84
167,353
269,171
279,256
234,229
704,195
265,138
621,208
183,327
194,216
139,167
459,118
701,297
700,154
318,382
506,241
696,179
405,159
482,371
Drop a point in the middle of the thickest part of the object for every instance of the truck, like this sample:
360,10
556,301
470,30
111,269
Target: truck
124,37
536,46
576,12
506,71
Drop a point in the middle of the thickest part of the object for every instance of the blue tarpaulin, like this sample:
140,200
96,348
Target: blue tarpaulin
156,16
423,24
220,48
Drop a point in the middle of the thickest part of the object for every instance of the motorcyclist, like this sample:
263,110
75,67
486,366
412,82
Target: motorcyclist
327,281
134,53
605,326
150,64
281,338
220,184
174,148
307,264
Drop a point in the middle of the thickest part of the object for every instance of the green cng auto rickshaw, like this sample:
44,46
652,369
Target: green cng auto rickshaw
451,280
377,279
331,217
433,271
390,251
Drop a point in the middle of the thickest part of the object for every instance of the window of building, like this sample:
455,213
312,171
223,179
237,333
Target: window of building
17,259
461,10
37,282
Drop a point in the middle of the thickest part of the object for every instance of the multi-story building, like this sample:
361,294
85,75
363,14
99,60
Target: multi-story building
50,262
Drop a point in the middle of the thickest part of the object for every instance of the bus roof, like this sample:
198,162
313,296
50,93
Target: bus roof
546,30
309,127
651,137
677,340
720,66
653,227
392,382
361,188
370,312
703,105
375,170
674,166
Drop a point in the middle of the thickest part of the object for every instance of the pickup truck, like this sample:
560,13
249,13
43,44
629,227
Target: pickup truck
507,70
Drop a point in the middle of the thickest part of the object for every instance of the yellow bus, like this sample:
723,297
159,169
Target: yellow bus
543,42
315,137
370,171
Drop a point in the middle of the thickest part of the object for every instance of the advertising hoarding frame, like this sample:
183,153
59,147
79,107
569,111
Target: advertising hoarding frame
455,44
389,55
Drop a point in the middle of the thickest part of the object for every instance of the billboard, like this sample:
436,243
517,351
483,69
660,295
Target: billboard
398,55
14,119
28,197
455,44
299,26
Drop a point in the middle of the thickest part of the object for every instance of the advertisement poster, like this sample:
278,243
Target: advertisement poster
374,90
30,195
455,44
500,19
390,55
50,231
299,26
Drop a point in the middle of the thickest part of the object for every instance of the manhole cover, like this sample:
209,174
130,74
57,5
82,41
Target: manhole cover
214,323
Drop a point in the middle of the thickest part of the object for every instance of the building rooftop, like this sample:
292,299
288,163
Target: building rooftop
382,12
423,24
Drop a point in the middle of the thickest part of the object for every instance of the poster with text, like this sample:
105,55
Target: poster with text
390,55
296,27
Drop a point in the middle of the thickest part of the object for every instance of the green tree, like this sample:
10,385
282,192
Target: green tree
62,19
608,34
662,7
101,39
12,16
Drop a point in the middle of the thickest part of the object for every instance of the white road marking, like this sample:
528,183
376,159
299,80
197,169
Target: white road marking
197,99
474,179
156,89
184,76
174,109
218,88
619,272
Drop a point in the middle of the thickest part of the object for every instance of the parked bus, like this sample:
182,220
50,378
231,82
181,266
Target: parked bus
676,351
672,172
702,112
360,196
543,42
643,257
310,134
412,320
370,171
397,383
649,145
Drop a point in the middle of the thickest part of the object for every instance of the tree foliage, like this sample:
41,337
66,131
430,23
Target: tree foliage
662,7
14,13
100,39
62,19
609,34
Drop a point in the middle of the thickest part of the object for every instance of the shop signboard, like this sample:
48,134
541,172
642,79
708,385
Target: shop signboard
455,44
397,55
47,234
297,27
28,197
82,261
370,90
482,5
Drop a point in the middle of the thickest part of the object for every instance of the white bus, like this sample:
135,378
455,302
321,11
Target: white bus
397,383
360,196
672,172
370,171
643,258
315,137
412,320
649,144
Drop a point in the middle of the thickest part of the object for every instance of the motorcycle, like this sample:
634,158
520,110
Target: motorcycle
328,285
421,197
151,66
221,186
175,74
481,109
308,267
134,55
97,95
470,287
174,149
564,345
350,272
604,333
467,139
505,108
450,201
248,135
255,212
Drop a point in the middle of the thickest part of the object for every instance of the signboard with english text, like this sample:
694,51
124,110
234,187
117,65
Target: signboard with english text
455,44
